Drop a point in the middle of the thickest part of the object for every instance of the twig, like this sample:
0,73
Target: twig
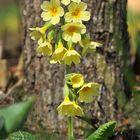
101,108
12,88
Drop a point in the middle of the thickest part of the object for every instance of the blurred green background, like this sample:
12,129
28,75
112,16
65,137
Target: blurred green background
10,30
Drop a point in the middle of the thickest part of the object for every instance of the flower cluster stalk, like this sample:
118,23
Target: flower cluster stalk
70,119
70,128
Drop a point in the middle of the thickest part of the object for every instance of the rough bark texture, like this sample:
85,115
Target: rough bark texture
108,26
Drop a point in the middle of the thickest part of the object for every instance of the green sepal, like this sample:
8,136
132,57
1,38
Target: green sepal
68,78
48,25
66,90
69,92
69,44
50,35
72,96
84,51
59,37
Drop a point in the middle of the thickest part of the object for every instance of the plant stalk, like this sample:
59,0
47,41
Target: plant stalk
70,128
70,119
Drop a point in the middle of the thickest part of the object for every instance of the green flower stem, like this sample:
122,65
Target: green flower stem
67,69
70,119
70,128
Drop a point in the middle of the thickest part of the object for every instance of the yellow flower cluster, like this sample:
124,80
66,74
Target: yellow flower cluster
58,39
68,29
77,90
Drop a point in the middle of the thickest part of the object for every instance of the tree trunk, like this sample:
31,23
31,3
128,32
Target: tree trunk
108,26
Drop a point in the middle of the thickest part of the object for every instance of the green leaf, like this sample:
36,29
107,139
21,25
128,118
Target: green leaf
15,115
103,132
1,122
21,135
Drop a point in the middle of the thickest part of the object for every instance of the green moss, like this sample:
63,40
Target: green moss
9,17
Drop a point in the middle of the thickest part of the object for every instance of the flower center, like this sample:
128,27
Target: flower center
53,11
76,13
86,89
72,29
75,79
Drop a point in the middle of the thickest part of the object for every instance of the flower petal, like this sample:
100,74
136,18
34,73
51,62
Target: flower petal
77,1
72,6
82,6
66,36
45,6
76,37
85,15
55,20
68,17
46,16
65,2
61,12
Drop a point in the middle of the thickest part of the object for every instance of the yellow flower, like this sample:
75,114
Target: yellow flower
77,80
58,53
45,48
69,108
66,2
87,92
71,56
88,46
72,32
52,11
77,12
38,33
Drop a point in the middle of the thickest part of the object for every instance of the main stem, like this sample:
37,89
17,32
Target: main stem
70,128
70,119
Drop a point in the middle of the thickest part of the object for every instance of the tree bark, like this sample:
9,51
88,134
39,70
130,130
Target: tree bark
108,26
